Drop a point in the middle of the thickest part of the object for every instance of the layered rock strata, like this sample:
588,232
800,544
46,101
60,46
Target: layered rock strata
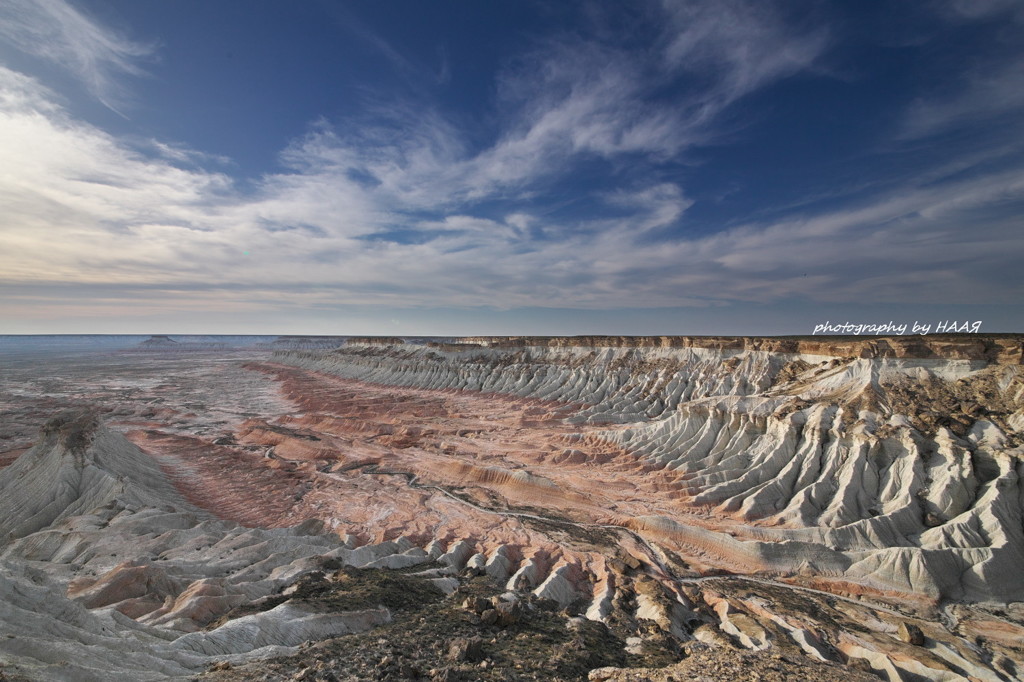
823,515
898,475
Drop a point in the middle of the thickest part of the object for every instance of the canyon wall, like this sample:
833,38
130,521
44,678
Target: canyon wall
887,465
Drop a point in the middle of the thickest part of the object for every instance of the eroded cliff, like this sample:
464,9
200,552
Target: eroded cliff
522,509
899,474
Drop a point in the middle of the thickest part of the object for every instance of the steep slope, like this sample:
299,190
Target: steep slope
900,475
76,466
106,573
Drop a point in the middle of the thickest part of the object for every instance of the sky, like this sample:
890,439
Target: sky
509,167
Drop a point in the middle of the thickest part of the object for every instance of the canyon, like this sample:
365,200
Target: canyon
603,508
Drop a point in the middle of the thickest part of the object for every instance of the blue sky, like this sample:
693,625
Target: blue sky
509,167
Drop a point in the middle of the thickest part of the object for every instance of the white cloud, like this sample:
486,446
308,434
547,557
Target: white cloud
986,91
971,10
57,32
573,97
745,45
21,94
146,222
84,208
663,204
980,95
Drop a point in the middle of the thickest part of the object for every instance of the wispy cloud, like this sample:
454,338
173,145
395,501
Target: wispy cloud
988,88
58,32
738,46
971,10
401,209
573,98
605,98
86,209
982,95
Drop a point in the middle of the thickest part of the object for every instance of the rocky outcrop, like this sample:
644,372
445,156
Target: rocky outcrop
159,341
374,341
107,573
77,466
166,343
302,343
1000,348
826,468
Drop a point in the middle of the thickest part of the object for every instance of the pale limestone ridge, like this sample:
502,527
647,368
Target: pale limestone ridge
77,466
999,348
617,385
899,474
106,573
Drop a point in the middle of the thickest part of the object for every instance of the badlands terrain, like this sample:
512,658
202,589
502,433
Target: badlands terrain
602,508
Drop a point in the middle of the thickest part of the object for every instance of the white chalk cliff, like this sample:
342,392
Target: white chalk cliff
106,573
902,475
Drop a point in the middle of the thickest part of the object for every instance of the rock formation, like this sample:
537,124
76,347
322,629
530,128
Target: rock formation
827,466
302,343
818,508
166,343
